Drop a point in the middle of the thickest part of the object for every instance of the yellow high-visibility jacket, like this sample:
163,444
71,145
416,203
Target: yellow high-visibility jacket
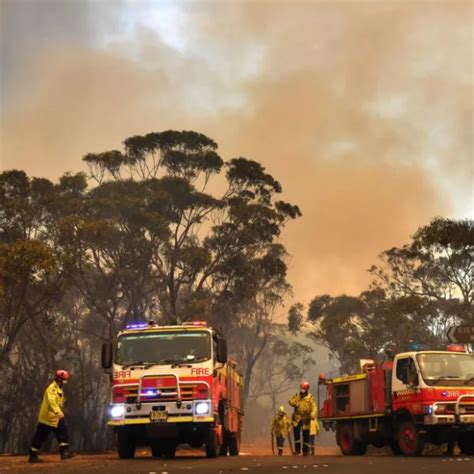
314,427
305,409
51,410
281,425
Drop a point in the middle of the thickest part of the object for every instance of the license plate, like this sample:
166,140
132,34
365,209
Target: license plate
467,418
158,416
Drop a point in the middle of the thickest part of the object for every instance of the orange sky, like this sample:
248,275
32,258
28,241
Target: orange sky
363,110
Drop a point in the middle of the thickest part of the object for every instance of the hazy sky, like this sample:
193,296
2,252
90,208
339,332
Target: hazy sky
362,109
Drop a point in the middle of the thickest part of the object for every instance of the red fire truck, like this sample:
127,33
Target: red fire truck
414,398
173,385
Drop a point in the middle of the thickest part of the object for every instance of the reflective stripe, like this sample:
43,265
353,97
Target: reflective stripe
348,378
35,450
171,419
63,444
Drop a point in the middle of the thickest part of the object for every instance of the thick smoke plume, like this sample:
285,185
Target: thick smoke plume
362,110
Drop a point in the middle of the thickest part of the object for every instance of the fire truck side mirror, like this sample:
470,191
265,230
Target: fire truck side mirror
106,355
221,350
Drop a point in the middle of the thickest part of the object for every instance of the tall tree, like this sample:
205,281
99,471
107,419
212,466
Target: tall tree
419,291
199,233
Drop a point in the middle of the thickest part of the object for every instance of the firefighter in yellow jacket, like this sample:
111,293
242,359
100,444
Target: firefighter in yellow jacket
51,418
281,425
305,412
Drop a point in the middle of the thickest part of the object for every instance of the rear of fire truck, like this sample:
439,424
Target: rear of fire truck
173,385
418,397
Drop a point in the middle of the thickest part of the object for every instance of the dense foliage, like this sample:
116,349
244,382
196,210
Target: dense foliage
419,291
140,236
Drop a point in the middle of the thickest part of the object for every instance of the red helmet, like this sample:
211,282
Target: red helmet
304,386
62,374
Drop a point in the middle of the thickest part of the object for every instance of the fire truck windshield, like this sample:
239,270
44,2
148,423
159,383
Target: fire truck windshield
163,348
452,368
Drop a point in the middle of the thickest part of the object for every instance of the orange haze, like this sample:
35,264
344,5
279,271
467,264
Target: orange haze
363,111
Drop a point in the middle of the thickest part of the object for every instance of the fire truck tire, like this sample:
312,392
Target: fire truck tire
234,444
156,450
125,445
466,443
410,440
212,448
169,450
348,443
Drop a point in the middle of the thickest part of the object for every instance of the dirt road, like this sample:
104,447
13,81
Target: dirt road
327,461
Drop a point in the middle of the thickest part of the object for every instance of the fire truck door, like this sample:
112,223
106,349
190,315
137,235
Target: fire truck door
405,374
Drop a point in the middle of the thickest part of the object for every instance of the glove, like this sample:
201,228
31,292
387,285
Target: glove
61,414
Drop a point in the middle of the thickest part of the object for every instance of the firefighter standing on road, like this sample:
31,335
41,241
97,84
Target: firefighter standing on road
281,428
51,418
305,412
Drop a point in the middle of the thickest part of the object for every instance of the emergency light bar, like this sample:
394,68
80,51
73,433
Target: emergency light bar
456,348
195,323
136,326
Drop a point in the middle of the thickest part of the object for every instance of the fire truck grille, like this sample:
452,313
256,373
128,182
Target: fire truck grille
464,408
154,393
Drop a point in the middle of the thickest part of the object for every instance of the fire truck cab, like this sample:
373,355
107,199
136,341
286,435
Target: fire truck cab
418,397
173,385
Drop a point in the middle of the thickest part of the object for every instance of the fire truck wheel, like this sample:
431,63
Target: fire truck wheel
410,441
212,448
125,445
169,450
156,450
348,443
466,443
234,444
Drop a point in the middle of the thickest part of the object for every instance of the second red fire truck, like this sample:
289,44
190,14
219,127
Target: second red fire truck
415,398
173,385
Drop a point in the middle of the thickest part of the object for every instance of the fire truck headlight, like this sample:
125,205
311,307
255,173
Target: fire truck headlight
117,411
202,408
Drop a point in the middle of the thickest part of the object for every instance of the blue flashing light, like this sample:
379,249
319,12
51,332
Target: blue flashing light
416,346
150,393
136,326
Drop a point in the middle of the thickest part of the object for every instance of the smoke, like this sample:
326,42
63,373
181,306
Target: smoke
362,110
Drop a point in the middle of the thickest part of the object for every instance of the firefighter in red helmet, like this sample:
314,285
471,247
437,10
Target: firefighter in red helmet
51,418
304,412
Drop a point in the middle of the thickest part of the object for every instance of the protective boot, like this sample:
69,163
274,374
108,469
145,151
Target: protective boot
33,456
297,450
280,451
65,454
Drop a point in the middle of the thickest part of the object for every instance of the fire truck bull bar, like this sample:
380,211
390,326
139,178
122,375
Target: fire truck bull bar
176,394
177,410
448,418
